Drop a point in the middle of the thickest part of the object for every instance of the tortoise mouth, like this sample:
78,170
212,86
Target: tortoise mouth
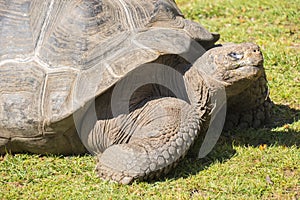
257,64
246,71
241,78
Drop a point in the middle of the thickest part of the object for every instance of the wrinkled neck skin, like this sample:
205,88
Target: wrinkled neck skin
251,97
196,85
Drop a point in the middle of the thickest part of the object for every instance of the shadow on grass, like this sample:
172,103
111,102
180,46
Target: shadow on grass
276,132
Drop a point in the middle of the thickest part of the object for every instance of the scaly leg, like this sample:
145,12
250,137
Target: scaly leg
161,132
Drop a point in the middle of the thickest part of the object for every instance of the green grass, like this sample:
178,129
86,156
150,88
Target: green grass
250,164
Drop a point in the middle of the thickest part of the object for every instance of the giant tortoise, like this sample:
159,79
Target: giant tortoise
127,80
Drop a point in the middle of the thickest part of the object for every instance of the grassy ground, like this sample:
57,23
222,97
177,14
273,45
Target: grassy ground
253,164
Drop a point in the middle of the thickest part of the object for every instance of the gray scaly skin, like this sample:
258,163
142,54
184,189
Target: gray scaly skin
151,139
162,130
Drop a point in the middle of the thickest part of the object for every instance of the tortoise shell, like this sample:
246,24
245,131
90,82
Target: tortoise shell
56,56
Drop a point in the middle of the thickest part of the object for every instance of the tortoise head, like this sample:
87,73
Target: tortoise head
236,66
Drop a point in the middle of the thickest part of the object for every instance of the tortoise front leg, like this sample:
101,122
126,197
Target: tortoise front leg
161,132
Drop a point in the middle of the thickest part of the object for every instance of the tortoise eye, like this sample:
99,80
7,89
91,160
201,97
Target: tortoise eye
236,56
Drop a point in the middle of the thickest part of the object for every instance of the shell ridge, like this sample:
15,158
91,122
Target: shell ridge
44,28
